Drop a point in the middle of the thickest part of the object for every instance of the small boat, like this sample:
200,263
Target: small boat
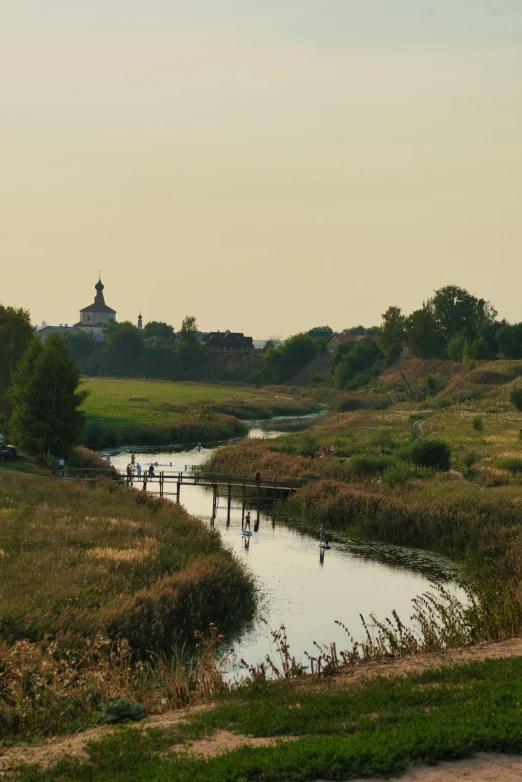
247,532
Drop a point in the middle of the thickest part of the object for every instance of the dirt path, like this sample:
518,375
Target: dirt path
484,768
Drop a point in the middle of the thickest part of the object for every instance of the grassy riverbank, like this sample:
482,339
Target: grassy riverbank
147,412
92,577
378,728
369,486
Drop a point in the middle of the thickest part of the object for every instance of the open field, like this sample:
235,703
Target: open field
147,412
317,729
99,575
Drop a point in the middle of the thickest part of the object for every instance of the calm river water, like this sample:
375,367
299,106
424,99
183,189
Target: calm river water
299,587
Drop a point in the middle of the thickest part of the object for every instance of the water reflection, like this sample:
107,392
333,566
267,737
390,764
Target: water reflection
305,588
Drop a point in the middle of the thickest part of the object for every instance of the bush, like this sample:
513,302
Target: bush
456,348
432,384
360,466
123,710
477,423
351,404
396,475
514,465
431,453
515,397
469,459
443,402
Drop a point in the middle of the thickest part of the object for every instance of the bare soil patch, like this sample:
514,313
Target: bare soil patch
50,752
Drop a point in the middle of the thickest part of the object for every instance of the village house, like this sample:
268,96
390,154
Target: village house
333,342
228,340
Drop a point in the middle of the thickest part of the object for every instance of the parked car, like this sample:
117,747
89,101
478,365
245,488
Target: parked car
7,452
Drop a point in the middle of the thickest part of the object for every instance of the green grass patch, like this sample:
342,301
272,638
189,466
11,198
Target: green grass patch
381,728
147,412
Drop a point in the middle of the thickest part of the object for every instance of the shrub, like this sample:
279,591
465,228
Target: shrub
514,465
360,466
444,401
515,397
396,475
469,459
477,423
350,404
432,384
139,398
431,453
456,348
123,710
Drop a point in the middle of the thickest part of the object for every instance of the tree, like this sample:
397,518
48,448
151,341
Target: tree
355,363
357,331
508,338
320,332
191,352
458,313
392,333
424,337
81,343
45,398
158,329
16,333
285,361
124,341
456,348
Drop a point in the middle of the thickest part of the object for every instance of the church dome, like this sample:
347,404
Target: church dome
99,285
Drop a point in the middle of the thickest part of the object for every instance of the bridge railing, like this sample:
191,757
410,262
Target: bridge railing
192,477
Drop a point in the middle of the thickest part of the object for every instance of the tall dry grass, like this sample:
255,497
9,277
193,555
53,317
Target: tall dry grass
102,559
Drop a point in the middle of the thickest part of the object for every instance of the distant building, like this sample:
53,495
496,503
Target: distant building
228,340
140,322
333,342
45,331
91,320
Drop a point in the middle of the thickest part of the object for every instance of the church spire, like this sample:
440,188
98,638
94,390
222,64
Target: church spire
99,298
140,322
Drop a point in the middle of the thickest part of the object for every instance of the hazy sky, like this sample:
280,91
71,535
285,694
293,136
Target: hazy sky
265,165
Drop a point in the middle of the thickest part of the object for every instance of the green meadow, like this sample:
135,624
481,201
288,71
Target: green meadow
148,412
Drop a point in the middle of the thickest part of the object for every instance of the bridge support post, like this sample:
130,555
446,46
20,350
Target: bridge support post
161,483
243,506
178,490
229,502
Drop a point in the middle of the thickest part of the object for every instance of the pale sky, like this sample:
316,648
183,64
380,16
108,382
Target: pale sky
266,165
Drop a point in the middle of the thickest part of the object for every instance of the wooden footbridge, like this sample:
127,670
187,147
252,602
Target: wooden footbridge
230,488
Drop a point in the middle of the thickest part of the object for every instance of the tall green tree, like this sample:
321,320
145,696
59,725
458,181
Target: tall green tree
459,313
392,333
283,362
46,419
16,333
158,329
124,341
191,352
424,336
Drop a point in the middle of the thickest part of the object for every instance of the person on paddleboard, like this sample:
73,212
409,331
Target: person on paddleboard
322,535
246,524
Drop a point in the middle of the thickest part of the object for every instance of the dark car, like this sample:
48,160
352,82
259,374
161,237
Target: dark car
6,452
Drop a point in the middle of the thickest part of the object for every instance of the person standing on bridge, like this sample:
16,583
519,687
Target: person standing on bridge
133,459
258,478
151,471
138,470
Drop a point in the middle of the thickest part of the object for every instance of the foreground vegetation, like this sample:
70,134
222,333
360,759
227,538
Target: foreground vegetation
146,412
380,728
95,578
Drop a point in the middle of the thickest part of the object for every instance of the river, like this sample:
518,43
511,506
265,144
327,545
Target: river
299,585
